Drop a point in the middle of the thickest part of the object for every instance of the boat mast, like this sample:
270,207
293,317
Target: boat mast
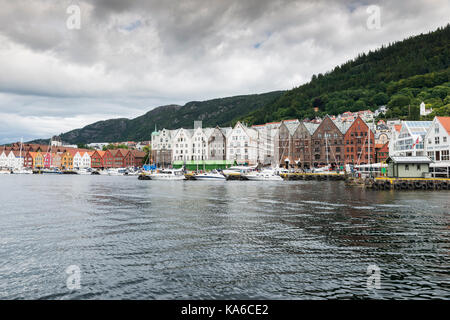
368,128
326,146
20,152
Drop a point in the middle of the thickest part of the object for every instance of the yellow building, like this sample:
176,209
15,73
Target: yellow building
38,160
67,161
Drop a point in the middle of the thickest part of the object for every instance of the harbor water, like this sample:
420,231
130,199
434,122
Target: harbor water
131,239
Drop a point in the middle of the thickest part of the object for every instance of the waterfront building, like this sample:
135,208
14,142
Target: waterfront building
437,140
48,159
3,159
407,140
242,145
137,158
67,160
285,156
107,159
359,141
199,142
182,145
82,160
267,142
217,143
56,161
381,152
408,167
162,147
327,143
97,159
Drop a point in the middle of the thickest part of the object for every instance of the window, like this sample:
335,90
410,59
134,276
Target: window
436,140
406,167
418,167
444,139
445,155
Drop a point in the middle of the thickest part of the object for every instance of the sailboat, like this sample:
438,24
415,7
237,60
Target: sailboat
20,168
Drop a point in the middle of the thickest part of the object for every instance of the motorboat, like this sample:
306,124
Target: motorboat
117,172
51,171
5,172
212,175
263,175
84,171
22,171
237,170
167,174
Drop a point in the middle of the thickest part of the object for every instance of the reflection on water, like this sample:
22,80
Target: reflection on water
195,239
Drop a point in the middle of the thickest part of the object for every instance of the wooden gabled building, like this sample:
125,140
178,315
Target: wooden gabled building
327,143
359,143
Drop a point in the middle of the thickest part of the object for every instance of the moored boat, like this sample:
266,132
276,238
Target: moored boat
211,176
167,174
264,175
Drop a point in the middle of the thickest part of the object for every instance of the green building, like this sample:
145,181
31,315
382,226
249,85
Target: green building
204,164
408,167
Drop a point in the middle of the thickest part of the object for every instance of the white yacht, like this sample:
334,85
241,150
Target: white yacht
84,171
238,170
22,171
117,171
5,171
263,175
168,174
212,175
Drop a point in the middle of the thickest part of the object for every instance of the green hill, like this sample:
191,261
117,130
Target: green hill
400,75
221,112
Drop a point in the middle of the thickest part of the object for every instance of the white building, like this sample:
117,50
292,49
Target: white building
199,142
11,159
242,145
268,141
437,140
162,146
182,144
409,139
217,143
82,160
423,110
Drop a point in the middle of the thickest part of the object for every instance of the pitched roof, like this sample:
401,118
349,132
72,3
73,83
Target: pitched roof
445,122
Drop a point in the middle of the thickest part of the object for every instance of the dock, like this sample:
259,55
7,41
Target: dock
331,176
385,183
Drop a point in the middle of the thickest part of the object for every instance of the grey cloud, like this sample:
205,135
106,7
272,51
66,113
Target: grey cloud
130,56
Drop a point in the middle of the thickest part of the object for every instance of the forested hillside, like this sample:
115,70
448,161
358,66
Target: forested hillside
400,75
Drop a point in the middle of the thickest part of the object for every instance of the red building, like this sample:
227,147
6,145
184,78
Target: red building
97,159
108,159
382,152
356,143
138,157
123,158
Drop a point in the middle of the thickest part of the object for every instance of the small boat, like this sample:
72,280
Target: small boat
51,171
117,172
22,171
264,175
5,172
168,174
84,171
212,175
237,170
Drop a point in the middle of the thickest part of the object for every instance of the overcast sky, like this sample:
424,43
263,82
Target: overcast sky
128,57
